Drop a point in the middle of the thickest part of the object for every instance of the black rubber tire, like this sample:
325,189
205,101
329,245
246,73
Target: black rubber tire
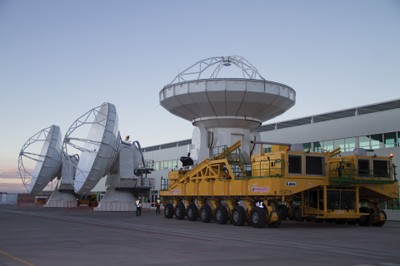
381,223
291,212
258,217
366,220
238,217
180,211
192,212
297,214
205,213
168,211
221,214
283,212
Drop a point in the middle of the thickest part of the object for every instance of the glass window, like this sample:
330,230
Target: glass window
328,145
339,143
164,164
381,168
307,146
376,141
314,165
398,138
364,142
317,146
294,164
363,167
389,140
267,149
349,144
156,166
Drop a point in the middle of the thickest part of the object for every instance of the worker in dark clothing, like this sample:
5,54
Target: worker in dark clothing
138,207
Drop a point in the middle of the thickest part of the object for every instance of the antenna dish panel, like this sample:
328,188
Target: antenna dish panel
199,94
98,150
48,161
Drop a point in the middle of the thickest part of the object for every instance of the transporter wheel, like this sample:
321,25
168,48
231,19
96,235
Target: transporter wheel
192,212
221,214
297,214
238,215
205,213
258,217
366,220
381,223
180,211
282,211
168,211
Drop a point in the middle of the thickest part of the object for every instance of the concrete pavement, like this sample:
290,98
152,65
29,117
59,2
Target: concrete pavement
80,236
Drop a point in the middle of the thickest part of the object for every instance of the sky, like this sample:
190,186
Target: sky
59,59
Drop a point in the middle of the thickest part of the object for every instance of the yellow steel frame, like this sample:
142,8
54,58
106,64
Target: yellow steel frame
214,179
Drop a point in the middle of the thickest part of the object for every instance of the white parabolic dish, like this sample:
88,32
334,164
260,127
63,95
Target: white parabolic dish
48,162
225,102
98,150
228,102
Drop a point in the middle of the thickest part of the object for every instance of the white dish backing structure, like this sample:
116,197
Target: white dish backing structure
98,150
47,162
95,140
50,164
224,109
92,149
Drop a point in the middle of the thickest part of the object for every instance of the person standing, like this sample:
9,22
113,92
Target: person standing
158,203
138,207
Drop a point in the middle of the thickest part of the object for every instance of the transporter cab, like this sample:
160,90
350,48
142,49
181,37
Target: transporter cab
282,184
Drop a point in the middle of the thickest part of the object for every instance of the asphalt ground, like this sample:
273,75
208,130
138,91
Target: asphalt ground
81,236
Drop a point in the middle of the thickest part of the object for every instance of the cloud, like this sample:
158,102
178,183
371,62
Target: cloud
10,181
10,173
11,185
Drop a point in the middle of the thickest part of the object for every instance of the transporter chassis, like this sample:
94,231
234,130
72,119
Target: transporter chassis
283,184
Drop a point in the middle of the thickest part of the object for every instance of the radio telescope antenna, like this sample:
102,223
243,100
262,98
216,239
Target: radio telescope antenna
48,161
226,99
95,138
92,149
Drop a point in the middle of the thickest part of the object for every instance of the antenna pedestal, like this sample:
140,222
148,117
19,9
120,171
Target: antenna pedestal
117,200
210,142
59,199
